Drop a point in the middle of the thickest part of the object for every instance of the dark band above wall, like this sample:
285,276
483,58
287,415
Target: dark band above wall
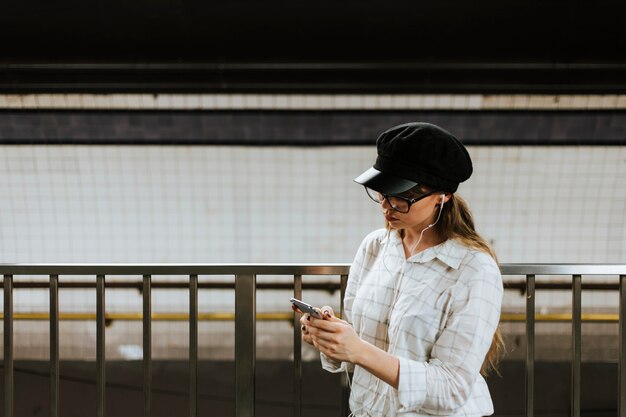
306,128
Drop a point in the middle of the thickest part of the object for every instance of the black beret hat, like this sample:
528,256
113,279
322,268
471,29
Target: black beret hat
417,153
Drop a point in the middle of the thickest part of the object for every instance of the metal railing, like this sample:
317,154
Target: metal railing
245,325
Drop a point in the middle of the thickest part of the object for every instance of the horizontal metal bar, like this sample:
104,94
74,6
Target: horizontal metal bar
175,269
562,269
277,269
183,285
562,317
154,316
223,316
316,286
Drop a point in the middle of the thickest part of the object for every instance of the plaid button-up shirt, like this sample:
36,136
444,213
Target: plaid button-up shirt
437,312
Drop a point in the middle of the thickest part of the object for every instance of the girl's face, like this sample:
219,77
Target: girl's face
420,214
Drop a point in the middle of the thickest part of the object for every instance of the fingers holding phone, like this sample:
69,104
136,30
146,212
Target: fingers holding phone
308,313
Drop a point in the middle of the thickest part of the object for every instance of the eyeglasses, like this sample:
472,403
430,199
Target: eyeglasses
397,202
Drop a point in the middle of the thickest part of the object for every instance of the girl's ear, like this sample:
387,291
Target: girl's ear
445,196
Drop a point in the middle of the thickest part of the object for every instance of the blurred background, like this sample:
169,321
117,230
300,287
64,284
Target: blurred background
231,131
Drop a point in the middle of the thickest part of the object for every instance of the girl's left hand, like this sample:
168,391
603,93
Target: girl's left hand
334,337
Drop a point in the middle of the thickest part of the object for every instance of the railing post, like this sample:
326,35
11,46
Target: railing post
54,345
193,345
100,347
622,348
297,351
245,344
530,345
147,345
8,345
576,343
345,386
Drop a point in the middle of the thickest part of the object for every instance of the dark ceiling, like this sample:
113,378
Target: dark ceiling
305,46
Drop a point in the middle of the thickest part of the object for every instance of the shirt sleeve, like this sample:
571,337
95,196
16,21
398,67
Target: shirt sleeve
443,384
356,270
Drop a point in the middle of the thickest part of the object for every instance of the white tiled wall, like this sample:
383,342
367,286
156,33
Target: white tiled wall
272,204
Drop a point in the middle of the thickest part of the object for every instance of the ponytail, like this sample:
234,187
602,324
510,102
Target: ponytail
457,223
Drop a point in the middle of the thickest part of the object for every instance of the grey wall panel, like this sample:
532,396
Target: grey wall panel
306,127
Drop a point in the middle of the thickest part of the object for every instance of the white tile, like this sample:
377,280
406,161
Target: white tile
238,101
267,101
355,102
566,101
609,101
400,101
118,101
444,101
207,102
537,102
595,101
460,102
429,101
281,102
193,102
255,101
29,101
10,101
340,101
581,102
72,101
369,101
385,101
297,101
325,101
416,102
520,101
177,101
44,101
475,102
488,102
223,101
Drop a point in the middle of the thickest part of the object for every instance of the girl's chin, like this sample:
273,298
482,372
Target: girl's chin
393,225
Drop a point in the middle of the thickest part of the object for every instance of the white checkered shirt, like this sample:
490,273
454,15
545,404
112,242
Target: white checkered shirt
438,317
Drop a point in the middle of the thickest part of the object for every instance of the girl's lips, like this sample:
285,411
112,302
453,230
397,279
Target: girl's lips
389,218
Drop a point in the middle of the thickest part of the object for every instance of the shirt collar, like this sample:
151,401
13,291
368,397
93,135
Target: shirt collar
450,252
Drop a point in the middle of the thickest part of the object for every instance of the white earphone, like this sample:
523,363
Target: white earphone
443,198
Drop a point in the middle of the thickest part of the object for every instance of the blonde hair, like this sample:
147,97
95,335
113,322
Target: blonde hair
457,222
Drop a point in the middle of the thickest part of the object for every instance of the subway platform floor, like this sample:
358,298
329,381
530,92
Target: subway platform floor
274,389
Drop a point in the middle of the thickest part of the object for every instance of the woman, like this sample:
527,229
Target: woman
423,299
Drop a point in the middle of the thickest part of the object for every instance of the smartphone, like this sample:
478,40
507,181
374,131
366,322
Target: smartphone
306,308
